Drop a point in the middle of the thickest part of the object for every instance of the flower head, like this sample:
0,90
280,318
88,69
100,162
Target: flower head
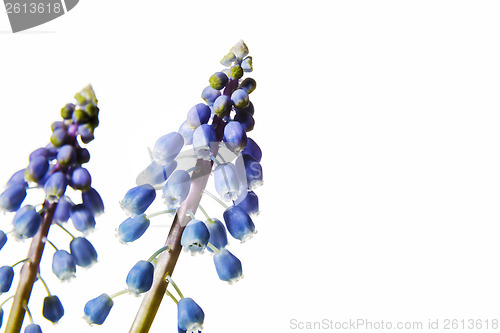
26,222
63,265
176,188
238,223
12,198
168,147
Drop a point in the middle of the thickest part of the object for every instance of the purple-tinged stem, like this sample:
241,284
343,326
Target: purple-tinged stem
29,272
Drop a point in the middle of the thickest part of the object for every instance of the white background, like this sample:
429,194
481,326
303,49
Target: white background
379,123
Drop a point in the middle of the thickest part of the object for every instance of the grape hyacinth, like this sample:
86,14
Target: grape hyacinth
56,169
213,139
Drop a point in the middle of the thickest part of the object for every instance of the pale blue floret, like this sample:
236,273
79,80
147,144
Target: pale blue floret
63,265
12,198
209,95
228,267
156,173
140,277
55,186
227,183
63,209
249,202
187,133
198,115
138,199
83,252
6,277
239,223
240,99
133,228
168,147
176,189
195,237
26,222
218,235
33,328
235,137
190,315
204,141
97,310
82,218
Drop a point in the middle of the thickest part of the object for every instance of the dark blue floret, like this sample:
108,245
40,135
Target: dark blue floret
53,309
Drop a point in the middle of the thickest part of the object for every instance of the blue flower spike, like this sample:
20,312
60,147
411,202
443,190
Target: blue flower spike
176,189
168,147
33,328
190,315
239,223
6,277
226,181
195,237
26,222
63,265
140,277
52,309
138,199
12,198
204,141
83,252
97,310
228,267
133,228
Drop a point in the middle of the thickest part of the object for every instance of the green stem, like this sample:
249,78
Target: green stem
205,213
169,279
171,296
6,300
29,272
216,199
191,214
154,255
44,285
65,230
119,293
52,244
166,211
25,306
213,248
20,261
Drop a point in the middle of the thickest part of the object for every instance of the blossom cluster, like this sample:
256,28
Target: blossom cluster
54,169
215,132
